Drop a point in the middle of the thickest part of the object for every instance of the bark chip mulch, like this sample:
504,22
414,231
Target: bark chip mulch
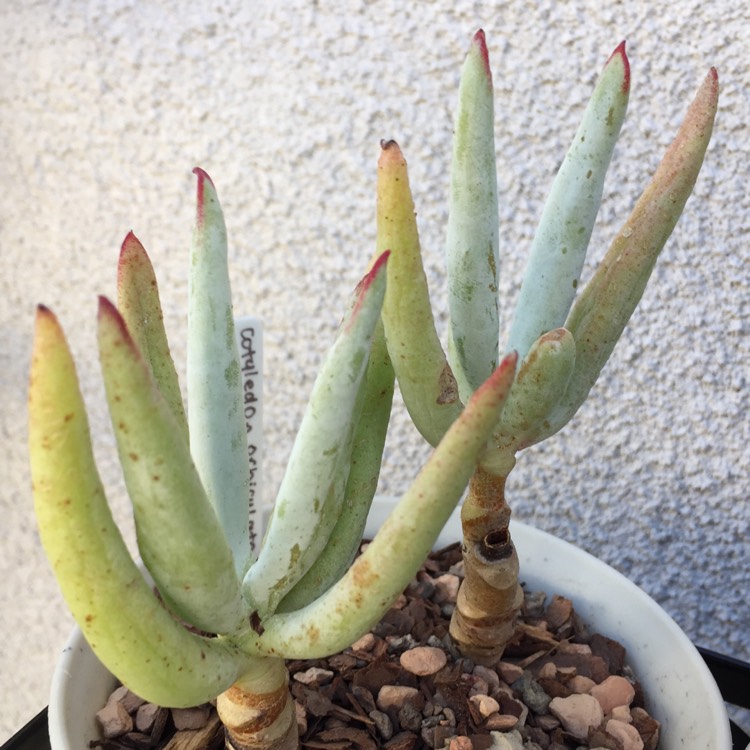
404,686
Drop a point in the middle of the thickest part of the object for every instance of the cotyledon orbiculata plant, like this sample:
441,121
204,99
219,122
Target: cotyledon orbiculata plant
188,478
562,341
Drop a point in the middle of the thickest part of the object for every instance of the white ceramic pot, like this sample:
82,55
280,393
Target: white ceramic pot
681,692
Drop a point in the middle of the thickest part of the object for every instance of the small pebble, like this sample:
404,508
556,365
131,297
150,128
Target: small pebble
409,717
190,718
461,743
532,693
647,727
395,696
314,676
621,713
397,644
129,700
365,643
146,716
509,672
580,684
423,660
625,733
479,686
614,691
500,722
490,676
446,589
578,714
574,648
114,720
558,611
506,741
485,705
383,724
548,671
547,722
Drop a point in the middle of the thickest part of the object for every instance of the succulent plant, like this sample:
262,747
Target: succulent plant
562,342
188,479
304,595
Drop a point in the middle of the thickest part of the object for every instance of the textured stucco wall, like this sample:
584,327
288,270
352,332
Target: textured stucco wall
105,107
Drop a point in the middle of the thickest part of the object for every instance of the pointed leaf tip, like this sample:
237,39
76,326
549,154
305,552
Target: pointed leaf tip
201,174
376,266
129,247
203,178
106,307
619,51
390,153
713,77
368,280
108,311
481,42
502,377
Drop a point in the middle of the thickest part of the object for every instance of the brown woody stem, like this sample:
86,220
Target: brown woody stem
490,597
258,710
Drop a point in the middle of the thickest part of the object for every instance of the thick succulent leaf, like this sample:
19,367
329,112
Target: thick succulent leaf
425,379
367,454
609,299
472,255
559,248
312,489
362,596
179,536
218,439
130,631
538,388
139,305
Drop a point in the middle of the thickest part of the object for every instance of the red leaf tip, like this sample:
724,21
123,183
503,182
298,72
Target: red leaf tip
620,52
201,174
203,177
106,307
501,378
366,281
108,310
377,265
130,243
481,42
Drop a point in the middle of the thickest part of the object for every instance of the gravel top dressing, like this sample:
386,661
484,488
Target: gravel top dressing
403,686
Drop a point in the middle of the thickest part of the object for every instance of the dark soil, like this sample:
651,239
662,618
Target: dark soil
340,704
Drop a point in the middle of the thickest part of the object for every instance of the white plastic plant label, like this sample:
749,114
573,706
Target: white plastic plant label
249,333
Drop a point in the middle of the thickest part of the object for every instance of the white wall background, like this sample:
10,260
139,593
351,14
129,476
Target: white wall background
105,107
